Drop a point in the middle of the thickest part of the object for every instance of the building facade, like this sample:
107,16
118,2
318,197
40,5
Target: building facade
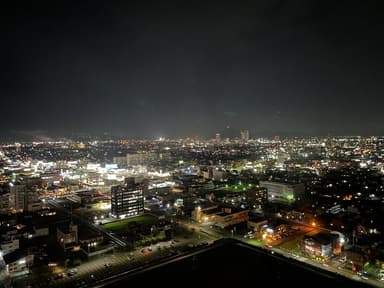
67,236
244,135
227,217
141,158
220,216
9,246
127,200
18,197
282,192
18,261
257,197
21,198
318,245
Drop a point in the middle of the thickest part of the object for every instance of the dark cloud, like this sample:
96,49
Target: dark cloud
144,69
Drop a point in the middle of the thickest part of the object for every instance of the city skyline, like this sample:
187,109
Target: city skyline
109,212
148,70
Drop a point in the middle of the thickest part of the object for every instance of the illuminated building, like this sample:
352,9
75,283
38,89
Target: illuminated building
141,158
67,236
18,260
318,245
258,197
18,194
204,214
244,135
21,198
222,217
90,242
214,173
282,192
228,217
120,160
127,200
217,137
9,246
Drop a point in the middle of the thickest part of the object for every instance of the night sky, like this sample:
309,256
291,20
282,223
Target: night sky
144,69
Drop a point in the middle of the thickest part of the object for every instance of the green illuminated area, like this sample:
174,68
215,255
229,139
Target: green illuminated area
373,269
122,224
241,187
234,188
239,168
289,196
255,242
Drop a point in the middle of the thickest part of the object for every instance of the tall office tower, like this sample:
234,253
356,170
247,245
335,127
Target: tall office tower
218,137
22,197
127,200
244,135
18,197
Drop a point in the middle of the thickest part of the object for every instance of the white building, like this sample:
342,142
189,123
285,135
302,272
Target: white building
18,261
282,192
9,246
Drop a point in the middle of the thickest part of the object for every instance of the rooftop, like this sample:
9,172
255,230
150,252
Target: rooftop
236,264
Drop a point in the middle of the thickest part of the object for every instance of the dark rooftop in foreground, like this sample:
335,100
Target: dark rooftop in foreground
230,263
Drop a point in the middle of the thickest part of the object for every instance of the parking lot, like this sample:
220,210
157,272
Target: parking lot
104,266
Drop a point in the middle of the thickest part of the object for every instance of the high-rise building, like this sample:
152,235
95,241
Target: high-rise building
22,198
127,200
18,196
218,137
244,135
